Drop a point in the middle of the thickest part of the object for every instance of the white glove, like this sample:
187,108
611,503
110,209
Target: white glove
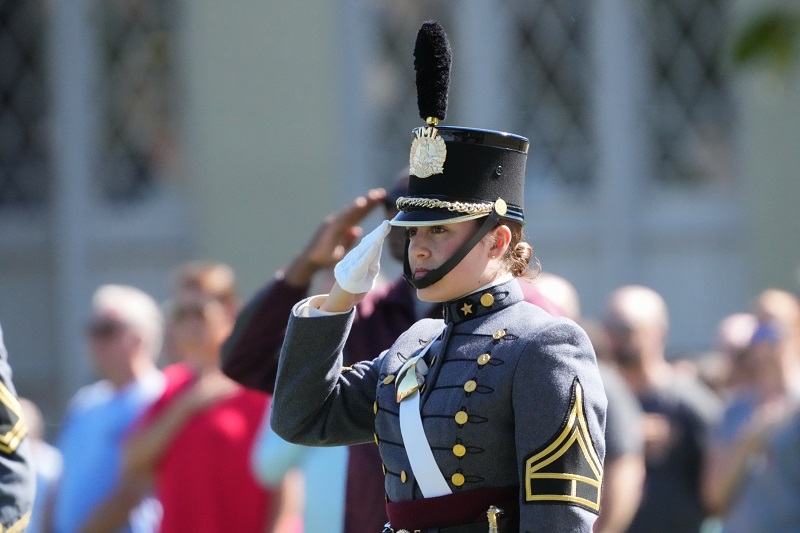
357,271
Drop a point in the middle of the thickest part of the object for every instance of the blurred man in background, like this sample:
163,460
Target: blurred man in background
678,411
125,336
741,447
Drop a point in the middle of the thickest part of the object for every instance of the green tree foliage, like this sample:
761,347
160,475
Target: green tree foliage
772,39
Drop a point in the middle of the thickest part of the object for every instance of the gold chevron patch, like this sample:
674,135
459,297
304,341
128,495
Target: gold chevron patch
18,526
12,425
567,469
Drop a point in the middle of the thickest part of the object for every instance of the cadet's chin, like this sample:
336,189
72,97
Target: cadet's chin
428,294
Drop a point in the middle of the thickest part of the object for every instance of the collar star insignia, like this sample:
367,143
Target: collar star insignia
467,309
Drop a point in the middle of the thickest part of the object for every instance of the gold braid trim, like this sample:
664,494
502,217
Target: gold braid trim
19,526
430,203
10,440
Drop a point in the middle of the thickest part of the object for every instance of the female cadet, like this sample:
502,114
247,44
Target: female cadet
489,420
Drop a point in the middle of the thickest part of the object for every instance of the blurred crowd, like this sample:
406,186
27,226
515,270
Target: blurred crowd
174,436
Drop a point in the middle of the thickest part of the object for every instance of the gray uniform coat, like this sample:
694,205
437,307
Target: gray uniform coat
512,398
17,475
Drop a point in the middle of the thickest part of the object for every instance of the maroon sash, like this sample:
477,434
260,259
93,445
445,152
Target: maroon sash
452,509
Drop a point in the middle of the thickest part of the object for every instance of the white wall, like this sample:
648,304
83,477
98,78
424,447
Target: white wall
265,140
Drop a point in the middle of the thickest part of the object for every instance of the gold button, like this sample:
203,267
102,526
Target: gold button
376,438
470,385
403,476
459,450
487,300
484,358
499,334
500,205
375,407
457,479
383,467
388,379
462,417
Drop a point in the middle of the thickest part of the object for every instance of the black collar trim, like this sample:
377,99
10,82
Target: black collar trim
483,302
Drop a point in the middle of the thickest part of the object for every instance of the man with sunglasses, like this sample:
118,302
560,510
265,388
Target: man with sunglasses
124,336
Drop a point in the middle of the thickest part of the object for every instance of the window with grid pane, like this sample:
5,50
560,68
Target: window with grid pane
24,169
552,78
138,91
690,113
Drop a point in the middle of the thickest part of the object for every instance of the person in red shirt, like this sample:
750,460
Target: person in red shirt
202,476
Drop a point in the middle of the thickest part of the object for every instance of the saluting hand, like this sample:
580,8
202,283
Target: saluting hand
334,237
357,271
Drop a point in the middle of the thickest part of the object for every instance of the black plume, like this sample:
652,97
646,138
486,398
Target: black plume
432,58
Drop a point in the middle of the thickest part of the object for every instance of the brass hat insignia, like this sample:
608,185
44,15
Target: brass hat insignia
428,153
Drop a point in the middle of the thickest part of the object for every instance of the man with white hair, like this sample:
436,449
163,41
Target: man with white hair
125,335
678,411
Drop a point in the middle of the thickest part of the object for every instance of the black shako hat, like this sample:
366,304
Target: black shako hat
456,173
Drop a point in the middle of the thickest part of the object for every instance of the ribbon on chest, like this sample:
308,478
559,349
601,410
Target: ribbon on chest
412,374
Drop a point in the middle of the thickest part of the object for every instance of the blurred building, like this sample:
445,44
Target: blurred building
135,134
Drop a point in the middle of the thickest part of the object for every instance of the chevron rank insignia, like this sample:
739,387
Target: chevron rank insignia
12,425
567,469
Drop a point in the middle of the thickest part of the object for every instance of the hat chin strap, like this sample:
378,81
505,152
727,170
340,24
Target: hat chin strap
438,273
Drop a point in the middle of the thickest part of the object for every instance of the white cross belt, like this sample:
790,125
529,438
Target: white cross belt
429,478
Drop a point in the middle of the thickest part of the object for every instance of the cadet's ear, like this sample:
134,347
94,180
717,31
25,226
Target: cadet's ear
501,237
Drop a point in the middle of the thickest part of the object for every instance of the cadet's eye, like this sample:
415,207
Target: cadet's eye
438,229
410,232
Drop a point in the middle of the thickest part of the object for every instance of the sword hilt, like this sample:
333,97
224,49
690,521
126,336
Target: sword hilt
493,514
